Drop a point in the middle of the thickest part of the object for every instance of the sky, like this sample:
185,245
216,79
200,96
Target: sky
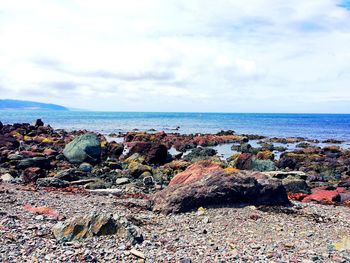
178,55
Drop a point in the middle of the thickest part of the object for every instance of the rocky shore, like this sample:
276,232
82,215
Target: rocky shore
154,197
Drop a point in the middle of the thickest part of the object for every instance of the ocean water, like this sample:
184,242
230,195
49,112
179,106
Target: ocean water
312,126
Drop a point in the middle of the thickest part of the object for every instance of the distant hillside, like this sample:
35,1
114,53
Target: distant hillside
28,105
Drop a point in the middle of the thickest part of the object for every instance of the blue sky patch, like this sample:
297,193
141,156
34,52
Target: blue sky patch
345,4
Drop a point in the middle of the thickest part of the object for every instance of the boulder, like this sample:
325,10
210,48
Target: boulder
96,224
220,188
195,172
40,162
84,148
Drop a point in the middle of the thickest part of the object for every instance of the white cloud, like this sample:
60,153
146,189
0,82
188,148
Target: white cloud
184,55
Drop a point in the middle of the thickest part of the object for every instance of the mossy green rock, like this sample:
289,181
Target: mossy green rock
263,165
85,148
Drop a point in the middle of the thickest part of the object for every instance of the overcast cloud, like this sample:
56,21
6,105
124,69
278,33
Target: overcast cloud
181,55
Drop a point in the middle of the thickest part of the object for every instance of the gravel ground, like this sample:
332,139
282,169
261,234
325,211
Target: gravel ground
303,233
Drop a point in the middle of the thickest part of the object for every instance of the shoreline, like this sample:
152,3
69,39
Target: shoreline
191,196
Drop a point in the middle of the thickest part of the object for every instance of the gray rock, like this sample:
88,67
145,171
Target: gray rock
7,178
51,182
14,157
83,148
263,165
295,185
96,224
120,181
85,167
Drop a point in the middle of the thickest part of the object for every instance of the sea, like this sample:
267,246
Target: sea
311,126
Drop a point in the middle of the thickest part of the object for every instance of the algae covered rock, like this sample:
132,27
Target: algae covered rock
85,148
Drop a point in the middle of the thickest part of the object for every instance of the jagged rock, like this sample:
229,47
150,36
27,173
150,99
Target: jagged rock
221,188
85,148
38,123
96,224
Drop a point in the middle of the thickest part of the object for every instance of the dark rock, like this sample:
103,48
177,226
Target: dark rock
1,125
148,181
69,175
221,188
154,153
244,161
223,133
31,174
85,167
8,142
287,162
51,182
295,185
38,123
40,162
85,148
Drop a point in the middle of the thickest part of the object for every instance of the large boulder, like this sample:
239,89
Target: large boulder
96,224
84,148
221,188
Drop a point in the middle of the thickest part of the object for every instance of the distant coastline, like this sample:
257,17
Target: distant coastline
8,104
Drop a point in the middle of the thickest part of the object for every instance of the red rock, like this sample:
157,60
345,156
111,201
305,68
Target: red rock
195,172
296,196
30,174
325,196
48,152
30,154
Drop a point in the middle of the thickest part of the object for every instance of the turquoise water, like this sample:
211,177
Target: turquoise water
312,126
